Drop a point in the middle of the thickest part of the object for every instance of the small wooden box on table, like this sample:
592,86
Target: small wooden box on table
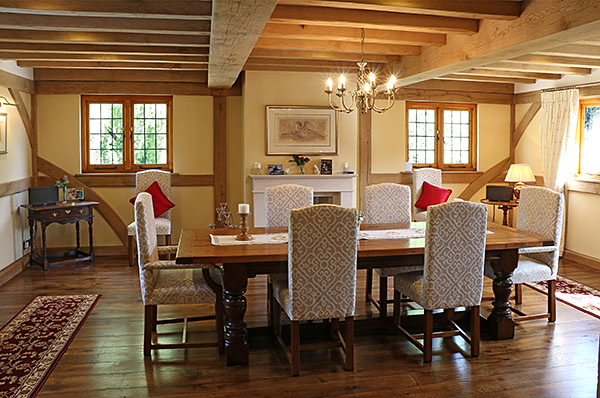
62,213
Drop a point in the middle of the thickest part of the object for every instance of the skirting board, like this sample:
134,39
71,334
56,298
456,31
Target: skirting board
13,269
581,259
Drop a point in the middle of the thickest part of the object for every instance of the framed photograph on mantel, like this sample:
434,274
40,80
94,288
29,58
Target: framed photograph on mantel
295,130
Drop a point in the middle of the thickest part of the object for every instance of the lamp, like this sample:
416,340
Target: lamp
519,173
4,101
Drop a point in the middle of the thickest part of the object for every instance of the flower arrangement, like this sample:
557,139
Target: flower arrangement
300,162
63,182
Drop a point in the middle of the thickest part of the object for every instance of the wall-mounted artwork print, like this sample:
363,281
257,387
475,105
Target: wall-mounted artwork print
3,127
301,131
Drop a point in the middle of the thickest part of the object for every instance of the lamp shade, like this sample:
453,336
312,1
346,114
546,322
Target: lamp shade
520,173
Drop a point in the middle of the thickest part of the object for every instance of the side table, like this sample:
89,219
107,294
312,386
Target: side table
62,213
504,206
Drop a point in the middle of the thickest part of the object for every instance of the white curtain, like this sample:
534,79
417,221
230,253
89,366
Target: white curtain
558,125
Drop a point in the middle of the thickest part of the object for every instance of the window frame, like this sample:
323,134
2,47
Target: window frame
128,101
579,135
439,124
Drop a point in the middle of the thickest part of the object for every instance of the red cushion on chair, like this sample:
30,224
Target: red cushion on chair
432,195
159,201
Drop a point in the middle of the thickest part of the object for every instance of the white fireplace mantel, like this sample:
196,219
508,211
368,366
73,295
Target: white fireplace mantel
341,186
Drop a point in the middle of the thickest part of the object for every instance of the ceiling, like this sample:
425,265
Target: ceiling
204,42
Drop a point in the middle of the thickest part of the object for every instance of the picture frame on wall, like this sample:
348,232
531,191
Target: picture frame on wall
75,193
3,129
301,130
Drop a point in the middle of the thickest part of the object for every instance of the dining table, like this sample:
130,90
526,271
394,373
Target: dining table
239,262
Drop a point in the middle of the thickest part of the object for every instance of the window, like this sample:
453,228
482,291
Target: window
441,135
589,137
126,133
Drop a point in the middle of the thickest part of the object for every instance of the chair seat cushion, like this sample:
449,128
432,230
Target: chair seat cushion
528,270
386,272
421,216
410,284
163,227
160,202
432,195
185,286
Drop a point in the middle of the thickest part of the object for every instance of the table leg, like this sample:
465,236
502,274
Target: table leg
44,252
31,239
504,214
500,323
78,247
235,282
91,233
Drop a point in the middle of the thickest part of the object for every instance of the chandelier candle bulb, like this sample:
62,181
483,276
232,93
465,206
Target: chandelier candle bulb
372,78
244,208
329,85
342,82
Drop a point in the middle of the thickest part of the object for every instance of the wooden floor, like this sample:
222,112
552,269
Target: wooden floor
105,359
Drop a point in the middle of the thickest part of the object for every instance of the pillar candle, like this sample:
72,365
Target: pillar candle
244,208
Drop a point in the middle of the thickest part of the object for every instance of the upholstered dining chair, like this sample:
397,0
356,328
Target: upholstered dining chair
165,282
540,212
321,280
143,179
429,175
386,203
452,274
279,200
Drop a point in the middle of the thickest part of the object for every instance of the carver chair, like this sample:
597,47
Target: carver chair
165,282
540,212
429,175
143,179
386,203
321,281
452,274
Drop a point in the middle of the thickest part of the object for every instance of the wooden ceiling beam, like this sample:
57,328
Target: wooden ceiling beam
111,65
459,85
103,57
138,39
330,16
313,32
344,46
556,60
101,49
190,9
129,88
593,41
306,62
511,73
573,50
236,25
102,24
293,68
119,75
543,68
477,9
329,55
498,79
543,24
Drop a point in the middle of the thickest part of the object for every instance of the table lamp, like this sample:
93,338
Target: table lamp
520,174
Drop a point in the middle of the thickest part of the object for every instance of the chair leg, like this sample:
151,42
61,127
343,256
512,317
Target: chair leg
397,307
131,247
276,318
295,349
518,293
148,311
369,286
270,301
168,240
382,297
449,312
219,323
428,337
475,331
154,317
334,328
349,339
552,300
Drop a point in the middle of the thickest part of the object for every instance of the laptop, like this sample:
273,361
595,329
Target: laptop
45,195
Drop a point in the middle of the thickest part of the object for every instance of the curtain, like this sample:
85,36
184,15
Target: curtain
558,125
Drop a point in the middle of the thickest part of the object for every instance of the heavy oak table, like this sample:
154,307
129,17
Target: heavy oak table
62,213
246,261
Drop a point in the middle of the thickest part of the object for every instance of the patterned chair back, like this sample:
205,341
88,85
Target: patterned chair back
387,203
541,212
432,176
143,179
280,199
322,262
146,242
454,255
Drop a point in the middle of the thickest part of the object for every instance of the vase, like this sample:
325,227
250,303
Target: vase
301,167
64,194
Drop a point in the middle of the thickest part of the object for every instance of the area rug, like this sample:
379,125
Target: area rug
34,340
573,293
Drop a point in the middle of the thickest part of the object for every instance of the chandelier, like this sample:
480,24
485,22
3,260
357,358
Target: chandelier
366,91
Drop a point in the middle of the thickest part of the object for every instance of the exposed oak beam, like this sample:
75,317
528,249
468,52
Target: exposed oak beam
511,73
126,88
116,75
543,24
306,62
313,32
330,16
293,68
477,9
456,76
573,50
236,25
110,65
8,79
343,46
101,49
103,57
556,60
331,55
525,67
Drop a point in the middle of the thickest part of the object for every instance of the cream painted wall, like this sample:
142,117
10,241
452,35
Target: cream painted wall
528,148
14,165
583,223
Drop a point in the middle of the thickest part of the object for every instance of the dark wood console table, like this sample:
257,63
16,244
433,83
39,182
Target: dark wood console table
62,213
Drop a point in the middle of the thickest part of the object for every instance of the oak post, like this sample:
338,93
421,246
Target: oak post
235,282
500,323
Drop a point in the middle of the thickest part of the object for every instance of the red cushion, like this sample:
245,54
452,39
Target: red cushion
159,201
432,195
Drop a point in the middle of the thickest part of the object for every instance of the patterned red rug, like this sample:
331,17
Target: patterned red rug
573,293
34,340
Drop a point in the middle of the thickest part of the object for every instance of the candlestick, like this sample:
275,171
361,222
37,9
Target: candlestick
244,227
244,208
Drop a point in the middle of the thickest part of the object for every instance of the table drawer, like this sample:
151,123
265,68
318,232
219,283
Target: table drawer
66,213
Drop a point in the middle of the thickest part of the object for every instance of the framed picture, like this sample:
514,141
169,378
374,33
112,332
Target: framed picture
75,193
3,127
326,166
301,130
275,169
